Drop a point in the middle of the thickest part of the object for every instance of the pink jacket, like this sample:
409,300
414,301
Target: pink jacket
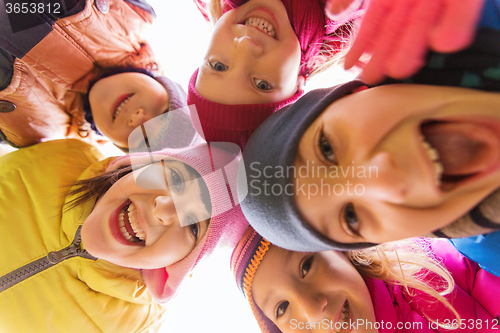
49,82
476,298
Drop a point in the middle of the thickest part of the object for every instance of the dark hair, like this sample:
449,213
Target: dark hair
95,187
107,73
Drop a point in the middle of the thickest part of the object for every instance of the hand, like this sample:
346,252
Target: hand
339,10
398,33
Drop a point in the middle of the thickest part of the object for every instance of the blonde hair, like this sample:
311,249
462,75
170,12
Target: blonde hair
406,263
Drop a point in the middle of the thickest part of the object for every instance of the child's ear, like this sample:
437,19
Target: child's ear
301,81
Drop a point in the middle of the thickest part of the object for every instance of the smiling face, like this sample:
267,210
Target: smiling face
399,161
124,101
143,228
295,288
253,56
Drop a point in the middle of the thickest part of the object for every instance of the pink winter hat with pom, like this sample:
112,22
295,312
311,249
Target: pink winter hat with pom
219,165
217,122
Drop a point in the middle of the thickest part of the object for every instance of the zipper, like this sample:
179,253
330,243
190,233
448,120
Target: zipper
51,259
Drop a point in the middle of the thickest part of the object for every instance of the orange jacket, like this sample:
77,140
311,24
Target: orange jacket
50,81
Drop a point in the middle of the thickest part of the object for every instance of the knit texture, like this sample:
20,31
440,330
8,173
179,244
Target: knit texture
273,147
391,302
218,165
229,123
172,129
245,260
319,37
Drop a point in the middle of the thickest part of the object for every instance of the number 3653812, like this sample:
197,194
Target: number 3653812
32,8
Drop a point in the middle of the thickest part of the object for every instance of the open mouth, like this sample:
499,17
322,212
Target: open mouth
459,150
120,104
261,25
129,224
344,316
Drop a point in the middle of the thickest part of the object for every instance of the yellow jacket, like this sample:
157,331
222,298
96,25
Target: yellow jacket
78,294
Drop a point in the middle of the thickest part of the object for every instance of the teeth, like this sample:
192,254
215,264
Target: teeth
132,216
120,107
262,25
343,317
438,167
434,157
133,220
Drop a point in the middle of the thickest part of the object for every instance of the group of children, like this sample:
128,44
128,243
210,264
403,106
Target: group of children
339,185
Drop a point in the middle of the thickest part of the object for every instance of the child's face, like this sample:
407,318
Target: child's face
152,233
401,161
124,101
295,288
246,65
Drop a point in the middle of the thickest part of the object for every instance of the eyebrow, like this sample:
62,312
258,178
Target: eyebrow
288,257
264,304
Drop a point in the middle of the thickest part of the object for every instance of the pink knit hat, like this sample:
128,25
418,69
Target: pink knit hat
229,123
245,261
219,165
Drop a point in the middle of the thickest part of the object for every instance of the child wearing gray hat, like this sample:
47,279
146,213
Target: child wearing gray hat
348,167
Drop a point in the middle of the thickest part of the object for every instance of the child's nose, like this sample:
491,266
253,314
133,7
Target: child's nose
247,46
164,210
384,181
312,307
137,118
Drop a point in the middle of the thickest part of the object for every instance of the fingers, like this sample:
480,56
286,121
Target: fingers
455,30
385,41
411,46
398,33
364,39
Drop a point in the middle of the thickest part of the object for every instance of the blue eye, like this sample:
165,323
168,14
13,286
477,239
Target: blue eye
195,228
326,149
281,309
262,85
176,180
351,219
218,66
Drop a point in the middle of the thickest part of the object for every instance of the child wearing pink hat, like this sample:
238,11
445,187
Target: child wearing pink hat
412,286
100,255
259,57
262,52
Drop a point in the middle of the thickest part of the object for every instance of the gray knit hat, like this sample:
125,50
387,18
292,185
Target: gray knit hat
176,95
172,129
269,207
